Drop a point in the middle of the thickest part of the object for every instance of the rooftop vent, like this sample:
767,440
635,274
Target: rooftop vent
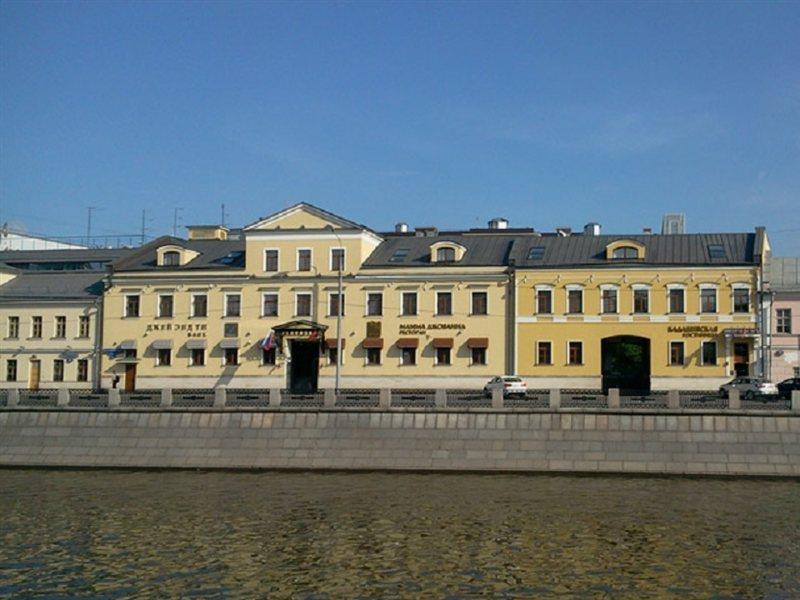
498,223
591,229
426,232
401,228
564,231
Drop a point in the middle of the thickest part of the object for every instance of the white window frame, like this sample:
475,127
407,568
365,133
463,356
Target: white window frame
788,310
125,314
566,347
400,362
641,287
603,288
41,327
437,313
264,260
344,258
225,313
367,294
55,327
238,357
381,357
536,356
669,353
261,361
472,303
402,304
158,357
8,327
310,260
741,286
310,304
707,286
191,357
702,353
441,364
485,363
670,288
84,319
543,288
573,287
194,295
342,308
277,304
158,306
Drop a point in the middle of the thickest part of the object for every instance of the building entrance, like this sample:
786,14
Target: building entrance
626,364
741,359
304,367
35,374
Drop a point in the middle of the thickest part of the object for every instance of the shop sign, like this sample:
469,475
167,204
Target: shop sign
191,329
423,328
690,331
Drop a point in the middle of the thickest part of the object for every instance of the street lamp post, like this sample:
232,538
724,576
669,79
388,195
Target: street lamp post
339,309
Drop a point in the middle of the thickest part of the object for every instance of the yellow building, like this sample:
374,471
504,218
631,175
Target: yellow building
638,312
258,307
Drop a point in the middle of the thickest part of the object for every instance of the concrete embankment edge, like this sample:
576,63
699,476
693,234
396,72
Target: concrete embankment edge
557,441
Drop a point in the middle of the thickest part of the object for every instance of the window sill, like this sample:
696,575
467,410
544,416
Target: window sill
268,316
373,316
160,318
443,365
443,315
575,365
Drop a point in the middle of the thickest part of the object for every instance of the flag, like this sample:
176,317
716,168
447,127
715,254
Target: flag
113,352
314,336
269,341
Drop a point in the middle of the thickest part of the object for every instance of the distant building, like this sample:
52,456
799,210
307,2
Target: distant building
673,223
11,239
784,276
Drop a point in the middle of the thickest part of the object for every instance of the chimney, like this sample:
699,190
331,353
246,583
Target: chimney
498,223
426,232
207,232
401,228
647,231
591,229
563,231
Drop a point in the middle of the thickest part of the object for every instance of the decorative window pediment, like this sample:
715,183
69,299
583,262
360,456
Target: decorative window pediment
447,252
174,256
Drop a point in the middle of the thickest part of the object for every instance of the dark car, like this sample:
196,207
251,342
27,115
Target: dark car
786,386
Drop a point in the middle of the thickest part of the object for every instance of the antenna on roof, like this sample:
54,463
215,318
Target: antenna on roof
89,210
223,215
175,219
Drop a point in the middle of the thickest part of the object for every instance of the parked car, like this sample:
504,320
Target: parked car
511,386
749,387
786,386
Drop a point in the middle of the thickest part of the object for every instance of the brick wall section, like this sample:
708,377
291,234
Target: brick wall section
618,442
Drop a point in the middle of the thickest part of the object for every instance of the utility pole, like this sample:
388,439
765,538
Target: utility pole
222,219
89,210
175,222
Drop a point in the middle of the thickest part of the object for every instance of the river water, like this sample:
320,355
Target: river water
316,535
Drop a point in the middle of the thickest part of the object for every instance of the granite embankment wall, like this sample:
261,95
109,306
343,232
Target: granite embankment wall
618,441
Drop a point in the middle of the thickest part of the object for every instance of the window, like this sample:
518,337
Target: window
163,357
609,296
784,320
741,300
233,305
332,354
335,304
443,356
171,259
199,305
197,357
270,261
399,255
231,357
374,304
409,303
83,369
132,305
303,305
11,369
304,259
373,356
165,305
536,253
337,259
446,255
641,301
676,355
544,353
480,301
676,300
13,327
268,356
544,302
478,356
61,327
408,356
36,327
708,300
83,326
575,353
58,370
230,330
716,251
574,302
269,305
708,353
444,303
625,253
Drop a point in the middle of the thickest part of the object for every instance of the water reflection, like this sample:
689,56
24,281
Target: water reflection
312,535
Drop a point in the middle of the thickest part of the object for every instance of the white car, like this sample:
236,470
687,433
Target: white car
749,387
511,386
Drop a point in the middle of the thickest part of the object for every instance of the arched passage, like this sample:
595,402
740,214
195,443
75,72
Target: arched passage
626,363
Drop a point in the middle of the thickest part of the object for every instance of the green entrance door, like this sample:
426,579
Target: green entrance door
626,364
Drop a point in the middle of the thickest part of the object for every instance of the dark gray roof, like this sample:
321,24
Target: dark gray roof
661,250
784,274
213,255
482,249
70,255
52,285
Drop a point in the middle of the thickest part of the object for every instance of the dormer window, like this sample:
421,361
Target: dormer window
626,252
171,259
446,255
536,253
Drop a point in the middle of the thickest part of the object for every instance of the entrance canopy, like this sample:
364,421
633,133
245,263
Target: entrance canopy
300,328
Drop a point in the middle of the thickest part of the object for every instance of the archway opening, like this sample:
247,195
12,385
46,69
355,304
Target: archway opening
626,364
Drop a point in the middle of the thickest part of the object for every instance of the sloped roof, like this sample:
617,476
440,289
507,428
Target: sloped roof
211,255
52,285
55,256
314,210
784,274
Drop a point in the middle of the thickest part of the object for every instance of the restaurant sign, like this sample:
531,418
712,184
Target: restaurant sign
690,331
423,328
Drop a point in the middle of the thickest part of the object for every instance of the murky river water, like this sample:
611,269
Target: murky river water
125,534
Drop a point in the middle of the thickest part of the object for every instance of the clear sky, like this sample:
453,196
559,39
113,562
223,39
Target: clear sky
441,114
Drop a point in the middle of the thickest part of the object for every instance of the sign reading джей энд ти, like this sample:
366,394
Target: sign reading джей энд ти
191,329
422,328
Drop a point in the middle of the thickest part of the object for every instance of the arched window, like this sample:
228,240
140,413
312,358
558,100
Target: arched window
625,252
446,255
171,259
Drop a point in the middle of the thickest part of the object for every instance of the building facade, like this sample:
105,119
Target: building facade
50,302
784,287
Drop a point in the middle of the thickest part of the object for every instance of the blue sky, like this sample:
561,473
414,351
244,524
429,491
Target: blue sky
432,113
